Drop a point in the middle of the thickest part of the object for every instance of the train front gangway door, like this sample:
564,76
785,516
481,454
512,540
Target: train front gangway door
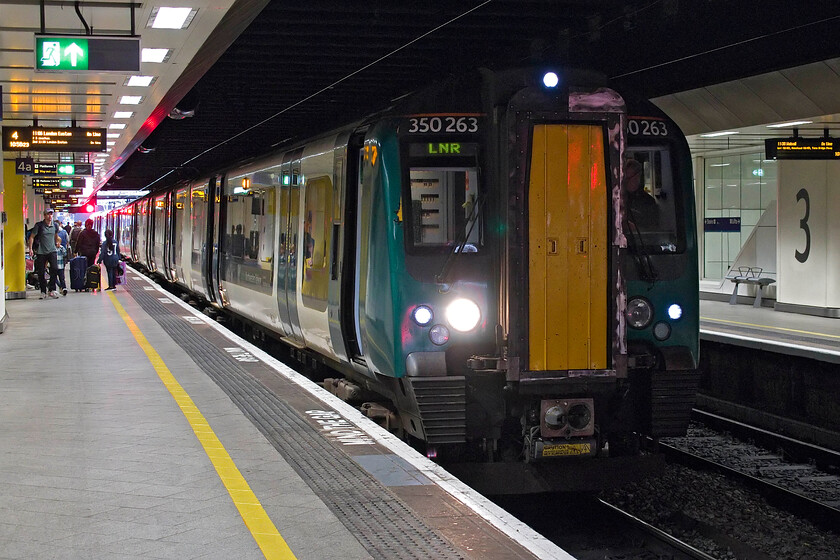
568,253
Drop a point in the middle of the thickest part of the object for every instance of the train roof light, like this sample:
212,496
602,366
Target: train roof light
550,80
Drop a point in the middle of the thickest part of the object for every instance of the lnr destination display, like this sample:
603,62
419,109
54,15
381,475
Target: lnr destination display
802,148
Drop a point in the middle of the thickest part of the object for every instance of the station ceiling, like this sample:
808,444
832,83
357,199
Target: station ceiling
261,74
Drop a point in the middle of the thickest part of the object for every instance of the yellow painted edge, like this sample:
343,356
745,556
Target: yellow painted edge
266,535
768,327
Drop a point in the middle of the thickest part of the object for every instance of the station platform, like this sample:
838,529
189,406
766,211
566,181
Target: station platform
136,427
764,328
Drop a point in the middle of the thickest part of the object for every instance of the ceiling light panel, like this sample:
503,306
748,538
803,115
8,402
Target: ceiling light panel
140,81
155,55
131,99
171,18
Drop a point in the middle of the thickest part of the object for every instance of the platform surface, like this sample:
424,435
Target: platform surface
136,427
768,329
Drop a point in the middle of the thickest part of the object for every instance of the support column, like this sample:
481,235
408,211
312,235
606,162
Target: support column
13,233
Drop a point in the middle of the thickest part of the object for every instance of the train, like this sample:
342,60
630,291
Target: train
470,264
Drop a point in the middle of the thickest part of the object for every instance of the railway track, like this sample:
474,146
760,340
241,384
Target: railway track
798,477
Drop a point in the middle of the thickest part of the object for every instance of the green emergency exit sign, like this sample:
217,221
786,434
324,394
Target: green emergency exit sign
86,53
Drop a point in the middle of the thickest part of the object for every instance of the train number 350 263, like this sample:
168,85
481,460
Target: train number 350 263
442,124
646,127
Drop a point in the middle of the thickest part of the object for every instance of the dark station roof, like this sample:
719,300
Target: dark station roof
303,68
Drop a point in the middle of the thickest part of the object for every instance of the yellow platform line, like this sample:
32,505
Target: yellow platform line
256,519
825,335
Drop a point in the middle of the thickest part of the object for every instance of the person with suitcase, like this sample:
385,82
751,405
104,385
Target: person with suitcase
109,255
88,242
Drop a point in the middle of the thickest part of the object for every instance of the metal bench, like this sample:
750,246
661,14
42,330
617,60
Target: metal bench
749,275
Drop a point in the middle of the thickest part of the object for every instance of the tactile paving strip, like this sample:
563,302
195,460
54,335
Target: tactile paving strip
377,518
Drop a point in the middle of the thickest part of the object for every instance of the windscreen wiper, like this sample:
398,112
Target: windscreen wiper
644,264
442,276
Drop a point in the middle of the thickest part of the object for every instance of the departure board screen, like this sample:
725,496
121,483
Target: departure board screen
802,148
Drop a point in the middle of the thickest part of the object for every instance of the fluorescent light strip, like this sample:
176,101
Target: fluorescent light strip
788,124
131,99
123,114
715,134
118,126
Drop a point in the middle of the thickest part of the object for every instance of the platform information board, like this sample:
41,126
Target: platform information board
802,148
43,139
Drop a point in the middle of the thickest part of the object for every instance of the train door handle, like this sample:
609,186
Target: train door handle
552,245
580,245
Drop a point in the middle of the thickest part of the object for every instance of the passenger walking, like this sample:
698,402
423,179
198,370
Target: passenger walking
74,237
109,255
42,247
60,260
88,243
65,242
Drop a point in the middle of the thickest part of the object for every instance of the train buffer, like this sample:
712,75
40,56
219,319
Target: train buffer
751,275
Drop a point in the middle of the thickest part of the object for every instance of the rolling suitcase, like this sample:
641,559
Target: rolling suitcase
92,278
78,269
120,277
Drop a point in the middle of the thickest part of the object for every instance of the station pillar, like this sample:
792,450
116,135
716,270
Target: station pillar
808,242
14,263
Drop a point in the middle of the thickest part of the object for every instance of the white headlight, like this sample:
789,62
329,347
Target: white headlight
674,311
463,314
423,315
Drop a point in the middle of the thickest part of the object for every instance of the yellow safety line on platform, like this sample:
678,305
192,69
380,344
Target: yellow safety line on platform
768,327
256,519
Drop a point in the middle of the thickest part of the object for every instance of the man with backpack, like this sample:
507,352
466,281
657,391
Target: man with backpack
42,247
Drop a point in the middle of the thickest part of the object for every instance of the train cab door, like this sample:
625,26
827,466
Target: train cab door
568,249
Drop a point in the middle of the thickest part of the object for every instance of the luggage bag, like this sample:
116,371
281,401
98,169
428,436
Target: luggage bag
120,277
78,270
92,278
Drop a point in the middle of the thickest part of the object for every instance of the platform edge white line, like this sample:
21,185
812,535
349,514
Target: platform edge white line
486,509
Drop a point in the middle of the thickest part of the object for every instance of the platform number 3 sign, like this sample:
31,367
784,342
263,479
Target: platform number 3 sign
803,224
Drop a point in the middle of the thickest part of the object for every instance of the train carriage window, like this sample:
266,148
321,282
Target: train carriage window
249,245
443,209
318,202
652,222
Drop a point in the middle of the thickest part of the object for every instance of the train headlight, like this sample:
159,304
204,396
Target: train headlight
439,335
463,314
423,315
550,80
662,330
674,311
639,313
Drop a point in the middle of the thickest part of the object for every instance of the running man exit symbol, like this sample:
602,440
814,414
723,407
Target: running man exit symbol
52,53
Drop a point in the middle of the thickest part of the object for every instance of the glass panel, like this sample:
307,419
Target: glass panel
249,245
653,222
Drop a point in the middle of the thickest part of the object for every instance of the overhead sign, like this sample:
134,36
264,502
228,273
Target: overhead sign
68,139
24,166
802,148
722,224
57,183
86,53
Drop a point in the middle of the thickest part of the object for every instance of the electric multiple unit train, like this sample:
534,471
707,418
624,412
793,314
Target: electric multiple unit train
468,257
